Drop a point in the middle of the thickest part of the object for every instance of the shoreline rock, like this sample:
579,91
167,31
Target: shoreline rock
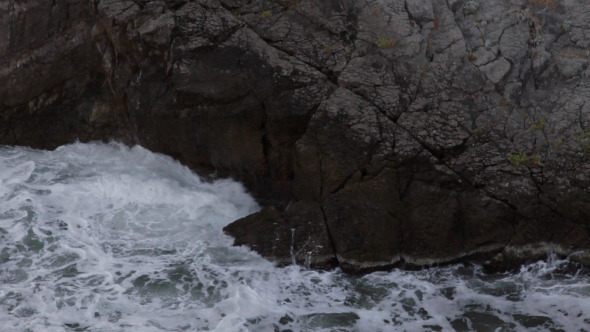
418,133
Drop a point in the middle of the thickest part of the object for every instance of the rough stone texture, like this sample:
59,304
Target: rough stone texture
52,83
496,70
290,236
401,131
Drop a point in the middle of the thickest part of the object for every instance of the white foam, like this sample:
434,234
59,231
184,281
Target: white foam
17,174
104,237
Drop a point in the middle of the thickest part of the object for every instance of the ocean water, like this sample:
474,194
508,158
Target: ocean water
103,237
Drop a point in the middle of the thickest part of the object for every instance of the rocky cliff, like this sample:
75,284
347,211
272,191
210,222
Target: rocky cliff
374,132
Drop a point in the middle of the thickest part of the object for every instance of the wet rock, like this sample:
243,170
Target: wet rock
359,243
582,257
301,226
513,256
414,132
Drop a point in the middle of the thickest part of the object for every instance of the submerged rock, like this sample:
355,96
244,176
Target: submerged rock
512,257
416,132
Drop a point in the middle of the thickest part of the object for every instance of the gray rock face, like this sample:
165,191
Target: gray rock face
496,70
420,10
400,131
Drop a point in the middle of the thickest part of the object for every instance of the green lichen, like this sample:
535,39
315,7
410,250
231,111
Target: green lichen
539,125
470,7
522,158
293,4
584,135
424,70
471,56
266,14
477,130
383,42
565,27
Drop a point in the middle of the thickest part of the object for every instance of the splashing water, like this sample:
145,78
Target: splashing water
101,237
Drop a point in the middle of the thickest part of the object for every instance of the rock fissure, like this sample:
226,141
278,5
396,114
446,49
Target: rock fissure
330,237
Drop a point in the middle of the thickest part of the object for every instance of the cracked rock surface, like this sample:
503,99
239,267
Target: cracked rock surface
374,132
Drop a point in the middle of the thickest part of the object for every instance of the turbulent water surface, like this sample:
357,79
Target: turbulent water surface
101,237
